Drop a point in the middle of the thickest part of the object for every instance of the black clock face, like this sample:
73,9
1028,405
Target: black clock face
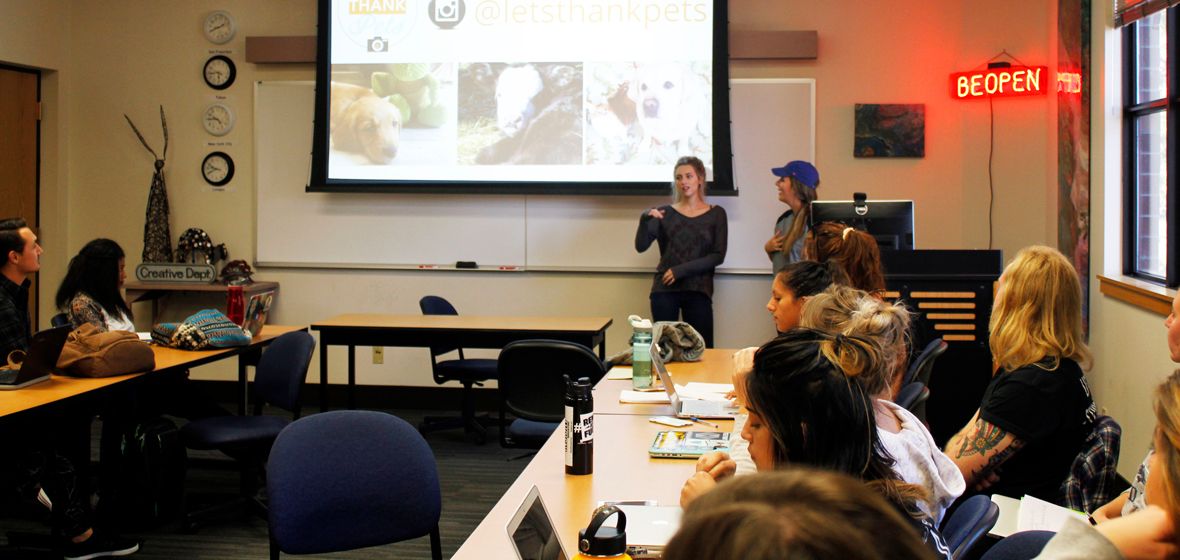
217,169
220,72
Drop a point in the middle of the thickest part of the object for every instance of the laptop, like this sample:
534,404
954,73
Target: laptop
44,349
256,310
532,533
689,408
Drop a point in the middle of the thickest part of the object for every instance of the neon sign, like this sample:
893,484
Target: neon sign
1013,81
1069,82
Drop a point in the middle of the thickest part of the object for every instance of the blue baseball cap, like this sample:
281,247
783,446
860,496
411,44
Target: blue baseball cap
801,170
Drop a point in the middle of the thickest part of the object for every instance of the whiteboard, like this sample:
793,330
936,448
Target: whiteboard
773,123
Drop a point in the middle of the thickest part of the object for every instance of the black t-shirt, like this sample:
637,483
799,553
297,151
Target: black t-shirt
1052,412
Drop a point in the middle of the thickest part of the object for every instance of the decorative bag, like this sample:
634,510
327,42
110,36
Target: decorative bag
91,353
207,328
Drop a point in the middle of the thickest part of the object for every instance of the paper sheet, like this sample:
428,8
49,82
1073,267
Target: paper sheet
640,397
1038,514
619,372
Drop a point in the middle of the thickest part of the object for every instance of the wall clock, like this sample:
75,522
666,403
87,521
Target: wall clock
220,72
219,27
217,169
218,119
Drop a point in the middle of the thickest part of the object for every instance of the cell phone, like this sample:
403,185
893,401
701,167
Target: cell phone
670,421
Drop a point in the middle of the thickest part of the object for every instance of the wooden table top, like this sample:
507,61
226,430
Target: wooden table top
622,471
716,366
464,322
62,387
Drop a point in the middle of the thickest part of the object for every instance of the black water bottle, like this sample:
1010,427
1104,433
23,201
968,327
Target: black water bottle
579,426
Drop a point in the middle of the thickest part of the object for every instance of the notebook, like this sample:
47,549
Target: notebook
532,533
256,311
689,408
649,528
683,444
44,350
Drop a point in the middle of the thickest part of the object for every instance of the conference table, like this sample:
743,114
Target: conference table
622,468
464,331
60,390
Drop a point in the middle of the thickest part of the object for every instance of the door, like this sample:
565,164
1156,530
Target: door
19,151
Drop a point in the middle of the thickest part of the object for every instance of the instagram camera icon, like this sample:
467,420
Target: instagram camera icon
446,13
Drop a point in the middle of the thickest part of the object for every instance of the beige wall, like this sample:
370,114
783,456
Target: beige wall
109,58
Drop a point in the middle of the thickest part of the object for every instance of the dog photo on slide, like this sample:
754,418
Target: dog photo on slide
392,114
521,113
649,113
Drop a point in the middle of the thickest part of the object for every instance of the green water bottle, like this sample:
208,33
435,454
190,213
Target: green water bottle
640,352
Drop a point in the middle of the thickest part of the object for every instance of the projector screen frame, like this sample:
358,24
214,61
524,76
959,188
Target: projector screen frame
721,181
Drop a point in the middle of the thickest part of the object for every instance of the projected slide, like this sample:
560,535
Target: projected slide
517,91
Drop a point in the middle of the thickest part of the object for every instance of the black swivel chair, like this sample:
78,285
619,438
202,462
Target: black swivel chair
471,372
923,365
278,380
532,387
966,527
350,479
912,396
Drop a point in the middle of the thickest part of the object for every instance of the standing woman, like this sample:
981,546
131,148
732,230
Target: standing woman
1037,410
91,292
796,186
692,236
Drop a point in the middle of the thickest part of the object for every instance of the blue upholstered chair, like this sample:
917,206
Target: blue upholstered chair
968,524
60,320
1024,545
470,372
278,380
532,387
350,479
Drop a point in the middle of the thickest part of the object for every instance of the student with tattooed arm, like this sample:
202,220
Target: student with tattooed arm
1037,410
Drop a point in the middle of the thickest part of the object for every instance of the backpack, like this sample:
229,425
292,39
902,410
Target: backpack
151,473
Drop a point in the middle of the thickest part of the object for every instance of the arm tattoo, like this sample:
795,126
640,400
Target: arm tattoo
984,438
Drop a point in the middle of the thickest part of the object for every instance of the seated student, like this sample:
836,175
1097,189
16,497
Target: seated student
1131,500
855,251
90,292
33,466
806,408
797,513
789,290
1037,410
917,459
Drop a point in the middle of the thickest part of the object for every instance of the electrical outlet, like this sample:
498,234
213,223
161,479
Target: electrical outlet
378,355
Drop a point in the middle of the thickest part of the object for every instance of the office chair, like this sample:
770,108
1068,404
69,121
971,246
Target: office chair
470,372
60,320
532,387
278,380
923,365
1019,546
1093,477
350,479
912,395
968,524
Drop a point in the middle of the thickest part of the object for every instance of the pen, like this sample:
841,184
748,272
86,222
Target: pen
705,422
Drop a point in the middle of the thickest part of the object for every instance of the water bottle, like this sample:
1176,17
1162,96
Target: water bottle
579,426
235,305
597,541
640,352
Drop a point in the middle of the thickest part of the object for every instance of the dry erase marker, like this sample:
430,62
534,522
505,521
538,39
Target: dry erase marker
427,266
509,268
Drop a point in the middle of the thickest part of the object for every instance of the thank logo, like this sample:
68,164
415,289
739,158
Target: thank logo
446,13
376,7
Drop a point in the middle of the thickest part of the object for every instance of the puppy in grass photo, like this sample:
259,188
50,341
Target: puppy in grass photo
364,123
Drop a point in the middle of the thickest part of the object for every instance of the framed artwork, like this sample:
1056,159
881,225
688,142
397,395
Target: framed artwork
895,130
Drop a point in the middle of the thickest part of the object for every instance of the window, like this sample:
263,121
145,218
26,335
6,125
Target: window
1151,120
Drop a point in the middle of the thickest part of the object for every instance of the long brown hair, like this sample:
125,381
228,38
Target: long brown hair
1038,312
798,513
1167,443
806,195
854,250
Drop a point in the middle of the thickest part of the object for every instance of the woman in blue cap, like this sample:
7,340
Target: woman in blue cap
796,186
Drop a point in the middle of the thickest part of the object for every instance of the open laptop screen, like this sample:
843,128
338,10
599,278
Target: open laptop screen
532,532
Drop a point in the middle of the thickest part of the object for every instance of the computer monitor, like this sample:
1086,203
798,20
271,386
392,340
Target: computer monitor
890,222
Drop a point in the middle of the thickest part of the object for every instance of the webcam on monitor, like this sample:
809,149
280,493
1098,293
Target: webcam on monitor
890,222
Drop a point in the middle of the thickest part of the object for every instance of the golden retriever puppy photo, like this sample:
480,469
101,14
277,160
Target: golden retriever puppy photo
363,123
